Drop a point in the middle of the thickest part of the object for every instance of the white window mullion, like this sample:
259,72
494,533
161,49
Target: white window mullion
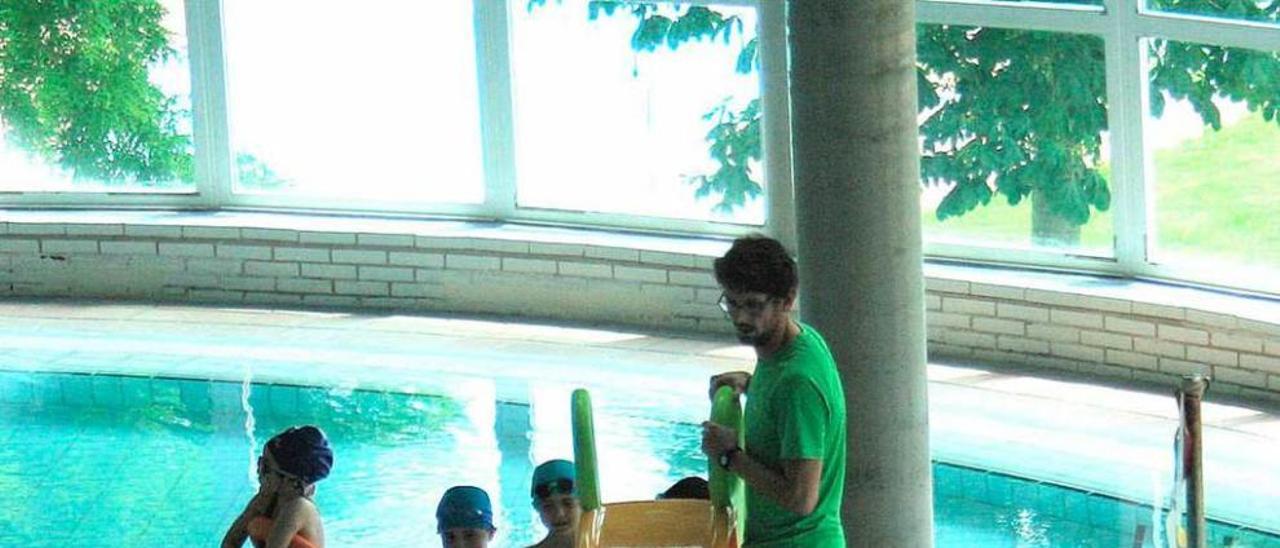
1207,30
1071,18
775,138
493,71
1126,97
209,103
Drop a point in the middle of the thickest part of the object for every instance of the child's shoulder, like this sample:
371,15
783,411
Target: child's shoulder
299,506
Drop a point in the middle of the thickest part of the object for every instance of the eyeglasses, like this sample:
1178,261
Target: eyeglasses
562,486
750,306
269,467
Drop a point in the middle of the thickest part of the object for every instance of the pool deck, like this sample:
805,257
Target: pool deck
1101,438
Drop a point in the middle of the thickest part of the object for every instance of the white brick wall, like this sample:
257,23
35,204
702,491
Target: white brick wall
565,250
385,240
1183,334
331,271
423,260
277,270
386,274
68,246
1037,327
1020,312
968,306
640,274
301,254
585,270
258,252
359,256
471,262
186,250
531,266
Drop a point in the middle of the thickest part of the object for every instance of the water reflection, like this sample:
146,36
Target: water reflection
134,461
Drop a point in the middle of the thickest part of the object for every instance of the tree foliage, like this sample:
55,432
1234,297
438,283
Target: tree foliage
1012,113
734,136
74,89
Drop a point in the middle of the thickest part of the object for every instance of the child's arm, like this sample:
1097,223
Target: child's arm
239,530
293,516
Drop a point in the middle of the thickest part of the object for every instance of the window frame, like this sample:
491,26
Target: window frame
1123,25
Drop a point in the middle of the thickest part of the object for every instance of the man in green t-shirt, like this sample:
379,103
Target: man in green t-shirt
793,456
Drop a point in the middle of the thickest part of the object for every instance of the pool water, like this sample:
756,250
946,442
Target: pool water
112,460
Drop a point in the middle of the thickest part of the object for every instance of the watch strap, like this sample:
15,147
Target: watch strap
726,458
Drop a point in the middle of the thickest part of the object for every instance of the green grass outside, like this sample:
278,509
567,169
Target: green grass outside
1217,197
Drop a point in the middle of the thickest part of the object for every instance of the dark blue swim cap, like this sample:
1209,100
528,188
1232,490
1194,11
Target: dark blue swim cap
303,452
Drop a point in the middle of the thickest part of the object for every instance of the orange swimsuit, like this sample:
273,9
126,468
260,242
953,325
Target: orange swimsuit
260,529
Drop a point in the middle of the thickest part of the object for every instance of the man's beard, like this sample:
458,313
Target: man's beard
755,337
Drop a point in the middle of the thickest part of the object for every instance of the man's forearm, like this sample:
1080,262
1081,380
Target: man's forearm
773,484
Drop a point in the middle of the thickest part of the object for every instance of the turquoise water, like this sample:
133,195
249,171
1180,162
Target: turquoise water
130,461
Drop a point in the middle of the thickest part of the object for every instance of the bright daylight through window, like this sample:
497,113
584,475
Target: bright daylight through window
1045,138
381,113
643,109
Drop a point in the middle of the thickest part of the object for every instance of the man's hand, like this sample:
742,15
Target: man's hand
737,380
717,439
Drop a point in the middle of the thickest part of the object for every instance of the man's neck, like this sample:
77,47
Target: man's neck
778,341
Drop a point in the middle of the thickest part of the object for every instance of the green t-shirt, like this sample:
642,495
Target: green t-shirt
795,410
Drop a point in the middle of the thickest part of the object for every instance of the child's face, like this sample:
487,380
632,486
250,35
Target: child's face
272,479
462,537
559,512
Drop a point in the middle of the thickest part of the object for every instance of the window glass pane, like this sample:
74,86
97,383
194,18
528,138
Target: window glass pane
1050,2
370,101
1214,131
1259,11
95,96
1013,130
610,118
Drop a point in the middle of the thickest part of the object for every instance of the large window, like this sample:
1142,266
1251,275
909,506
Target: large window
1012,128
372,102
1259,11
95,96
644,111
1214,137
1130,137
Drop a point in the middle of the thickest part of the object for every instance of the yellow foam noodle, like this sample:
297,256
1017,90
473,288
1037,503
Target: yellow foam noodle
667,523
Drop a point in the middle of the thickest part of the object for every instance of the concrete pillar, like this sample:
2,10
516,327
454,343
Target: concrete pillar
855,156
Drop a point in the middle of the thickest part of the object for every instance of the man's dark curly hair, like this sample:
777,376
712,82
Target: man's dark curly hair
757,263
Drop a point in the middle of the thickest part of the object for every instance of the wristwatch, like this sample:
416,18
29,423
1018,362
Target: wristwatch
727,457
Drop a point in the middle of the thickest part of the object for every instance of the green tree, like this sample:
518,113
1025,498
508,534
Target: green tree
734,135
1013,113
74,89
1017,114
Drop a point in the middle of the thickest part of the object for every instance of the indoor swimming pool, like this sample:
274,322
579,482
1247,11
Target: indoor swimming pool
119,460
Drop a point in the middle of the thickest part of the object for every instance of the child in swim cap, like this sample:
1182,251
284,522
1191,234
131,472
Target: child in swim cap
464,518
283,513
555,496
